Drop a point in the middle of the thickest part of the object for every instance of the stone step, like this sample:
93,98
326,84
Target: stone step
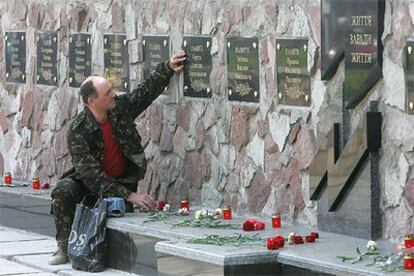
168,252
138,247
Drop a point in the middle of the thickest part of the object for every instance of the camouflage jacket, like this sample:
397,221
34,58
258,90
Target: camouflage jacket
85,140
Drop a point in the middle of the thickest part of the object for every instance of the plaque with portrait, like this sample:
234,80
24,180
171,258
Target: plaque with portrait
156,49
197,66
409,75
363,55
116,61
46,69
15,56
243,69
80,52
293,80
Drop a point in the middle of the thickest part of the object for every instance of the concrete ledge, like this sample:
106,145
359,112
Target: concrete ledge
319,257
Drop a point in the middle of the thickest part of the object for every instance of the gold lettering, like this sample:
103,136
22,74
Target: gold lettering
242,50
361,58
242,59
197,74
291,61
239,76
361,20
242,68
196,66
292,52
360,39
154,47
197,48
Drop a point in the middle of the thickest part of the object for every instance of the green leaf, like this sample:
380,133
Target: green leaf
358,251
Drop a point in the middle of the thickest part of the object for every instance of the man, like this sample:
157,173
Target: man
105,148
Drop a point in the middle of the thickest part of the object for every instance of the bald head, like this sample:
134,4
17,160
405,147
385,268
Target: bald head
90,87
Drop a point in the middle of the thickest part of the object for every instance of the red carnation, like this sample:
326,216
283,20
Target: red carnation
272,244
161,205
258,225
249,225
280,241
298,239
310,238
315,235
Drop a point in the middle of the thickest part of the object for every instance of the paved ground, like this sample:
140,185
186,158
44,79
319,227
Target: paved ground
26,253
27,235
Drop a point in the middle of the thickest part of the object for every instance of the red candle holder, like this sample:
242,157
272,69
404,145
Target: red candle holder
8,178
408,262
276,223
409,241
227,212
184,204
36,183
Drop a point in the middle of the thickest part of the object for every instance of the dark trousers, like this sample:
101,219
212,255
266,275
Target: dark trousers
65,196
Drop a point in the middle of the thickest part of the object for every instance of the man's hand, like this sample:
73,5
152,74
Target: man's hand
176,61
145,201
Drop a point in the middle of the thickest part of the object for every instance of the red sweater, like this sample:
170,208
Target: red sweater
114,162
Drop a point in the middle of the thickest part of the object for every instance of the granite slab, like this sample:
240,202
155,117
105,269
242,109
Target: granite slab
14,235
8,249
10,268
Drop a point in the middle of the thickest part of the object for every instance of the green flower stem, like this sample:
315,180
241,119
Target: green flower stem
225,240
205,223
159,216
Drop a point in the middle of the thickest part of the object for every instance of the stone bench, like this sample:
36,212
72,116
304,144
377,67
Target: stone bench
143,248
156,245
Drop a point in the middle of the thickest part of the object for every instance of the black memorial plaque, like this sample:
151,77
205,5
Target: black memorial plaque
156,49
46,70
116,61
79,58
409,75
334,19
243,69
293,80
197,67
363,55
15,56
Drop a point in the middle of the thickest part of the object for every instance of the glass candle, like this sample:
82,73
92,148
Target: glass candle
36,183
7,178
184,204
276,223
408,262
227,212
409,241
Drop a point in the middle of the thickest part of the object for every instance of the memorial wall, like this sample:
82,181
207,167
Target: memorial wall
264,84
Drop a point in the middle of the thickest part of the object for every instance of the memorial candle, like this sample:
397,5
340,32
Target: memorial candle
227,212
36,183
7,178
408,261
276,223
409,241
184,204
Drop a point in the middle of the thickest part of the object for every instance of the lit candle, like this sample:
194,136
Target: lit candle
408,261
36,183
184,204
276,223
7,178
227,212
409,241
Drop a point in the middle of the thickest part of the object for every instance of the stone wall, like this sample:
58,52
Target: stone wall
252,156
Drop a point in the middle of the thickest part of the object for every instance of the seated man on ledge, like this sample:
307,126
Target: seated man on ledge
105,148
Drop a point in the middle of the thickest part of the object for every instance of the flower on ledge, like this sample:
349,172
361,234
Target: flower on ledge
372,246
183,211
252,225
275,243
